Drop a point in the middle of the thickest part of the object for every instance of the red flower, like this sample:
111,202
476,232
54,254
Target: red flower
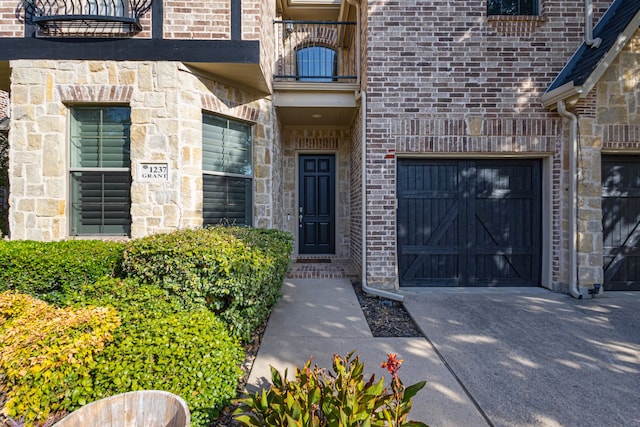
392,364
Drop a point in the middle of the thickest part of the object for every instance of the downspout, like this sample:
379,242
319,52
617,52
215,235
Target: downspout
573,142
588,26
362,96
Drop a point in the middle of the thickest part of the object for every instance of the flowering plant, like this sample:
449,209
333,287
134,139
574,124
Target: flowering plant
340,398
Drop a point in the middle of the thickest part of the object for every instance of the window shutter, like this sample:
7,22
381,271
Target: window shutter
100,199
101,202
226,199
227,157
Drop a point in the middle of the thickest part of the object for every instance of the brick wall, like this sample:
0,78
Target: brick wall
445,78
10,26
197,19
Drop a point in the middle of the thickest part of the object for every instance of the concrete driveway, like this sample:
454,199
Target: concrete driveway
536,358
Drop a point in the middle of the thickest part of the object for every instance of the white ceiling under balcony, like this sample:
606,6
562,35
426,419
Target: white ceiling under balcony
311,10
315,105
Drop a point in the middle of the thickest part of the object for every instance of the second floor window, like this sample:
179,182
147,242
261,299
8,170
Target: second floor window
316,64
512,7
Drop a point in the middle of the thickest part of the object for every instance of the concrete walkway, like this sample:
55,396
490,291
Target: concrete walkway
491,357
322,317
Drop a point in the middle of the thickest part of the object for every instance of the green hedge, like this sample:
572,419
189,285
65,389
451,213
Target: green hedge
161,346
48,355
236,272
48,270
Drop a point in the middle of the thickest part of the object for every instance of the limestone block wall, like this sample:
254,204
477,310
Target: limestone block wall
609,123
329,141
166,100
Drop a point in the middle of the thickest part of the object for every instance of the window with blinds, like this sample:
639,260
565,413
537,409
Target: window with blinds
227,167
100,171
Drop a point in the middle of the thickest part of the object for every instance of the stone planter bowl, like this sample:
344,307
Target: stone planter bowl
144,408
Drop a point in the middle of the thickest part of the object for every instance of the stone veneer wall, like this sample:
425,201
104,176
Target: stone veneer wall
464,85
166,102
609,122
318,142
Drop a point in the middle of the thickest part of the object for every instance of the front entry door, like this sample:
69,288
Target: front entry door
316,209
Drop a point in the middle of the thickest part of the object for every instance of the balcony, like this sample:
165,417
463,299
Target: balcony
316,72
86,18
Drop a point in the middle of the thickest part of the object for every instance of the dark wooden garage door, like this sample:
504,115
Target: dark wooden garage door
621,222
469,223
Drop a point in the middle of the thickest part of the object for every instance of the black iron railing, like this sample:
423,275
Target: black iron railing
316,51
86,17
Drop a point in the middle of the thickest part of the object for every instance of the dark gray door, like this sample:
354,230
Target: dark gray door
469,223
316,210
621,222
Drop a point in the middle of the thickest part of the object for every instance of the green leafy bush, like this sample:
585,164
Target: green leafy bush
341,398
162,346
236,272
47,355
48,270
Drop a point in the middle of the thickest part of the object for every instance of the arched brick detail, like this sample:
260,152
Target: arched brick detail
229,108
318,35
106,93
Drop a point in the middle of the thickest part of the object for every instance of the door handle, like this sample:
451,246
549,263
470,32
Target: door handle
300,219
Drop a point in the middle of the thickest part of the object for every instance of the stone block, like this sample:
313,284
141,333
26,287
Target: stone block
50,207
51,124
612,115
145,77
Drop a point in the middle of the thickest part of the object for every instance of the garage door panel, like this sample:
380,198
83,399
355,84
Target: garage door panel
478,223
621,222
431,268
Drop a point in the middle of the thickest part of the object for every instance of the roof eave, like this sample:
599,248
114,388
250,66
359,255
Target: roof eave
569,90
604,63
562,93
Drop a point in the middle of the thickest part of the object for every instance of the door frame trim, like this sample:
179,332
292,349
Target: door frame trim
336,200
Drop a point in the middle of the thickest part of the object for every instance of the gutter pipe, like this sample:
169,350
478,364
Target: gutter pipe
362,96
588,26
573,141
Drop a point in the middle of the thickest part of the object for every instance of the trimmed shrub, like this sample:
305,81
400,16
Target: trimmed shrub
47,355
343,397
162,346
236,272
48,270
